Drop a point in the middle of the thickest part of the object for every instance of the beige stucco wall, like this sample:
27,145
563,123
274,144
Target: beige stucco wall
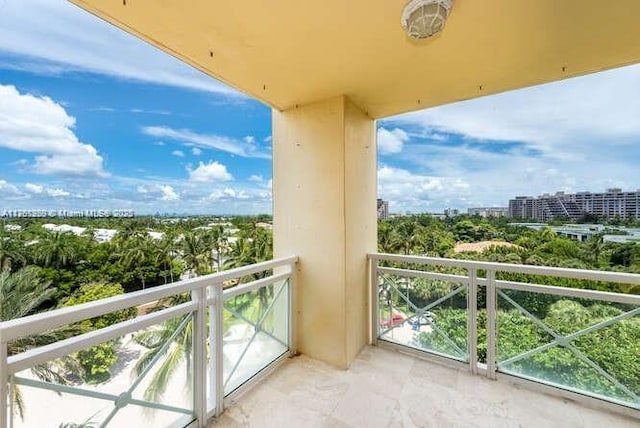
324,191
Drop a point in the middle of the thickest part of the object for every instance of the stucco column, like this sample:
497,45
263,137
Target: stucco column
324,198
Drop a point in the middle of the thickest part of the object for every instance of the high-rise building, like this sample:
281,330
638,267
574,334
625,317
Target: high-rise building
612,203
488,211
383,209
451,212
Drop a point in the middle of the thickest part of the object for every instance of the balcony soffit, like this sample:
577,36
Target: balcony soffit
288,52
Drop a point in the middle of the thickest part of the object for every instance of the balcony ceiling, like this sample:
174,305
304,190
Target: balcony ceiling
288,52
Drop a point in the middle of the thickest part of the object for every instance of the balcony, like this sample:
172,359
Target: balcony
446,352
202,343
492,320
386,388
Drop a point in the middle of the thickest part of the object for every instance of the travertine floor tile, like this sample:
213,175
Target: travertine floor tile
388,389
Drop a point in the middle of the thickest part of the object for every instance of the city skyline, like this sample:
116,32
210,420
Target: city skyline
108,122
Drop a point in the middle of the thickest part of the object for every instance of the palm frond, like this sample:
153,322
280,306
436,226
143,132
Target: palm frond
160,379
17,398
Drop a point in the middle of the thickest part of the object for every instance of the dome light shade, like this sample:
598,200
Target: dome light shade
425,18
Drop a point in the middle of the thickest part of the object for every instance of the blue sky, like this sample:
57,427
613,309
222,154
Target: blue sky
105,121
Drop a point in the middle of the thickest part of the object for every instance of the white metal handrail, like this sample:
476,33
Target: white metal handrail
42,354
207,303
383,275
33,324
592,275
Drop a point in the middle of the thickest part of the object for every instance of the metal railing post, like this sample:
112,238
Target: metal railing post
4,381
491,324
472,320
374,301
211,334
200,356
292,309
217,375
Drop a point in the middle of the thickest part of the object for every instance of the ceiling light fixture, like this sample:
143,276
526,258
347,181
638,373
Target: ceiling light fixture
425,18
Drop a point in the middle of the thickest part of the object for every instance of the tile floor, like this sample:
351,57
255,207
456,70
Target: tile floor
384,388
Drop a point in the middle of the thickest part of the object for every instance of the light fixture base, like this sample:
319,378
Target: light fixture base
425,18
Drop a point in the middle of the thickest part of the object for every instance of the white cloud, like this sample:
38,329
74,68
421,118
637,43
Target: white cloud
407,191
57,193
196,151
229,194
155,191
256,178
8,190
143,111
390,142
43,36
34,188
207,141
212,171
145,195
169,193
178,153
249,139
103,108
54,192
267,139
556,118
576,135
492,178
235,194
410,191
40,125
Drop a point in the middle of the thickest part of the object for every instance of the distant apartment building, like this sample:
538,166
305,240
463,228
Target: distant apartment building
451,212
486,212
609,204
383,209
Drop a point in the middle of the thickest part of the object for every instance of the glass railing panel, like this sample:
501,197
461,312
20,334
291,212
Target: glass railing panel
139,379
423,313
583,345
47,408
256,332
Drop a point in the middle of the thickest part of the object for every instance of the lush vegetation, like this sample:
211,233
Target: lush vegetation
41,270
427,235
614,348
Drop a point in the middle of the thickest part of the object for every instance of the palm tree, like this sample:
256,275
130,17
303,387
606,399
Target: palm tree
170,354
409,235
137,254
131,230
57,249
194,252
388,240
246,252
216,239
23,293
9,252
166,254
595,246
